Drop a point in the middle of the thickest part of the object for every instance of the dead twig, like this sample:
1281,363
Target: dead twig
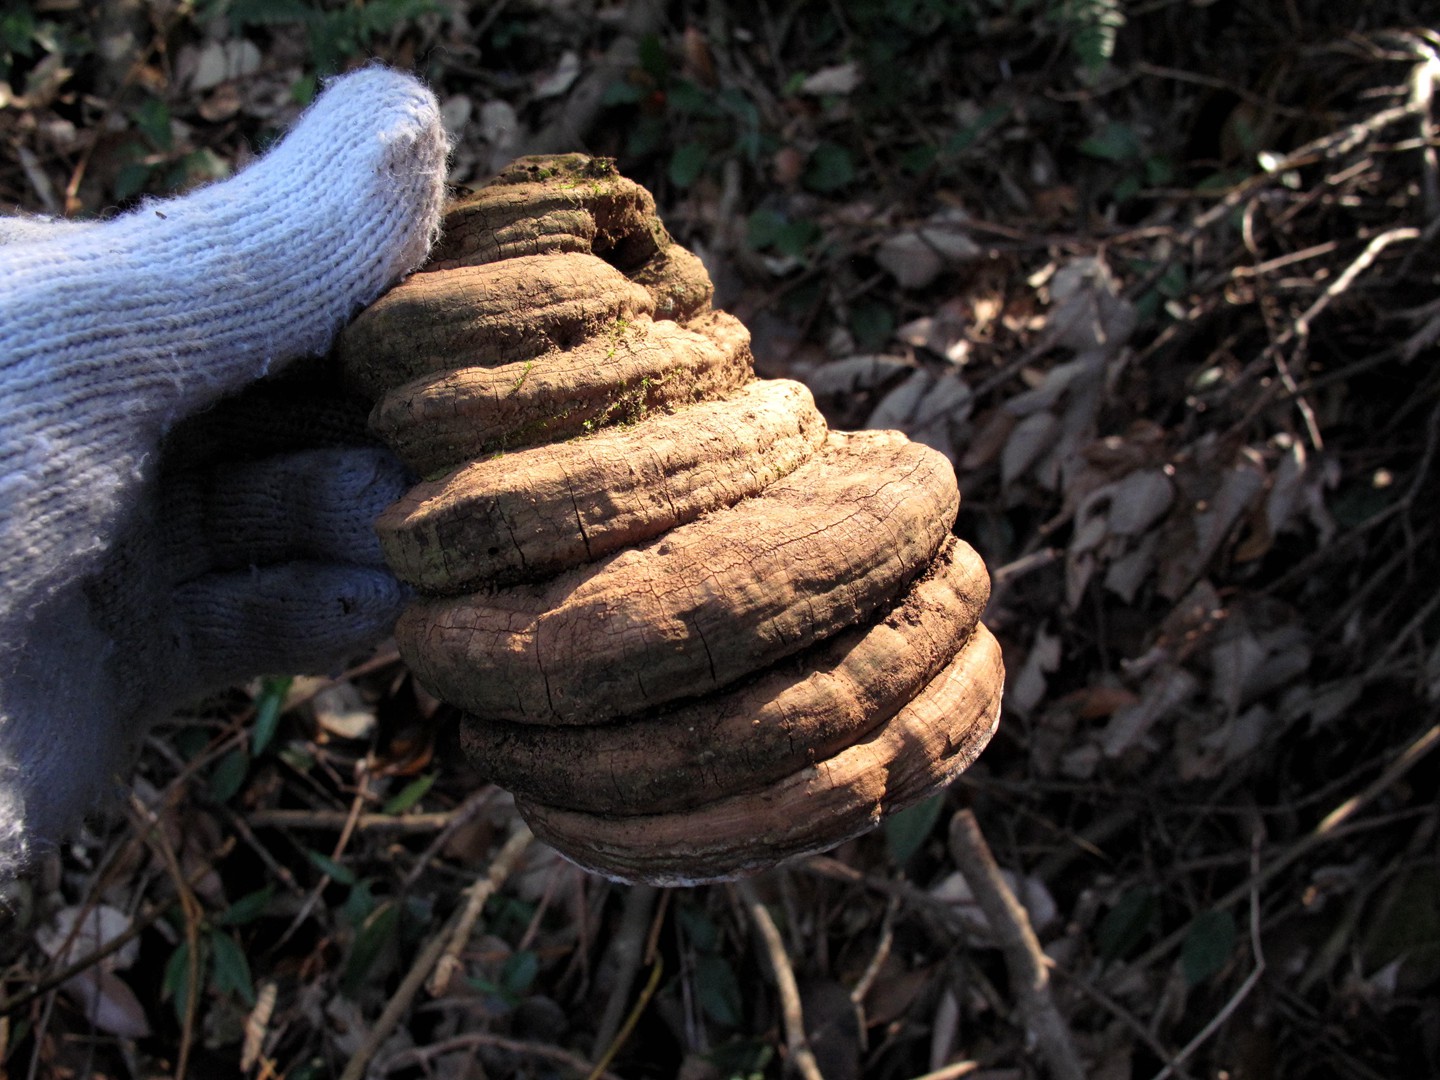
1125,1016
437,947
1327,147
1248,985
193,914
1298,331
455,819
1301,327
1214,82
385,655
247,837
796,1042
1326,830
1257,270
1028,967
1416,621
333,820
627,950
835,870
1423,78
952,1072
657,968
872,969
362,791
475,897
423,1055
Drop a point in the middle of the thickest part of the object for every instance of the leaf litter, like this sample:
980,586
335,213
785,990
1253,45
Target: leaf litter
1168,311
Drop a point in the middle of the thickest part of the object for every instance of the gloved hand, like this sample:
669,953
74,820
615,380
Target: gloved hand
141,564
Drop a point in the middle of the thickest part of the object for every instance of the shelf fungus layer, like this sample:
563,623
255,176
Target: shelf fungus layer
694,631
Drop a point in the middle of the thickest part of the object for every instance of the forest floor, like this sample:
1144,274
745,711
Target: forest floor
1160,278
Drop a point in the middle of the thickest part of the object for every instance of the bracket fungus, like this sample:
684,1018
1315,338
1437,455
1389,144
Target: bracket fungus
694,631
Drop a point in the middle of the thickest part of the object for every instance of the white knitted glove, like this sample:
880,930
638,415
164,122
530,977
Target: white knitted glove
134,570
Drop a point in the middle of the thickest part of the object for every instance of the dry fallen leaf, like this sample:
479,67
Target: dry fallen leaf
108,1003
1223,746
929,408
1163,691
224,61
944,333
1034,897
342,712
1027,444
560,78
102,996
947,232
838,79
1089,312
854,375
911,261
1026,688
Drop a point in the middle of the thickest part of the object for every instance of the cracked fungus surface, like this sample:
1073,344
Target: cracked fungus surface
802,710
546,509
705,603
486,315
436,421
925,745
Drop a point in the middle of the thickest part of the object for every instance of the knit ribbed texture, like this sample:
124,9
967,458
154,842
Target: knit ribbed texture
109,335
